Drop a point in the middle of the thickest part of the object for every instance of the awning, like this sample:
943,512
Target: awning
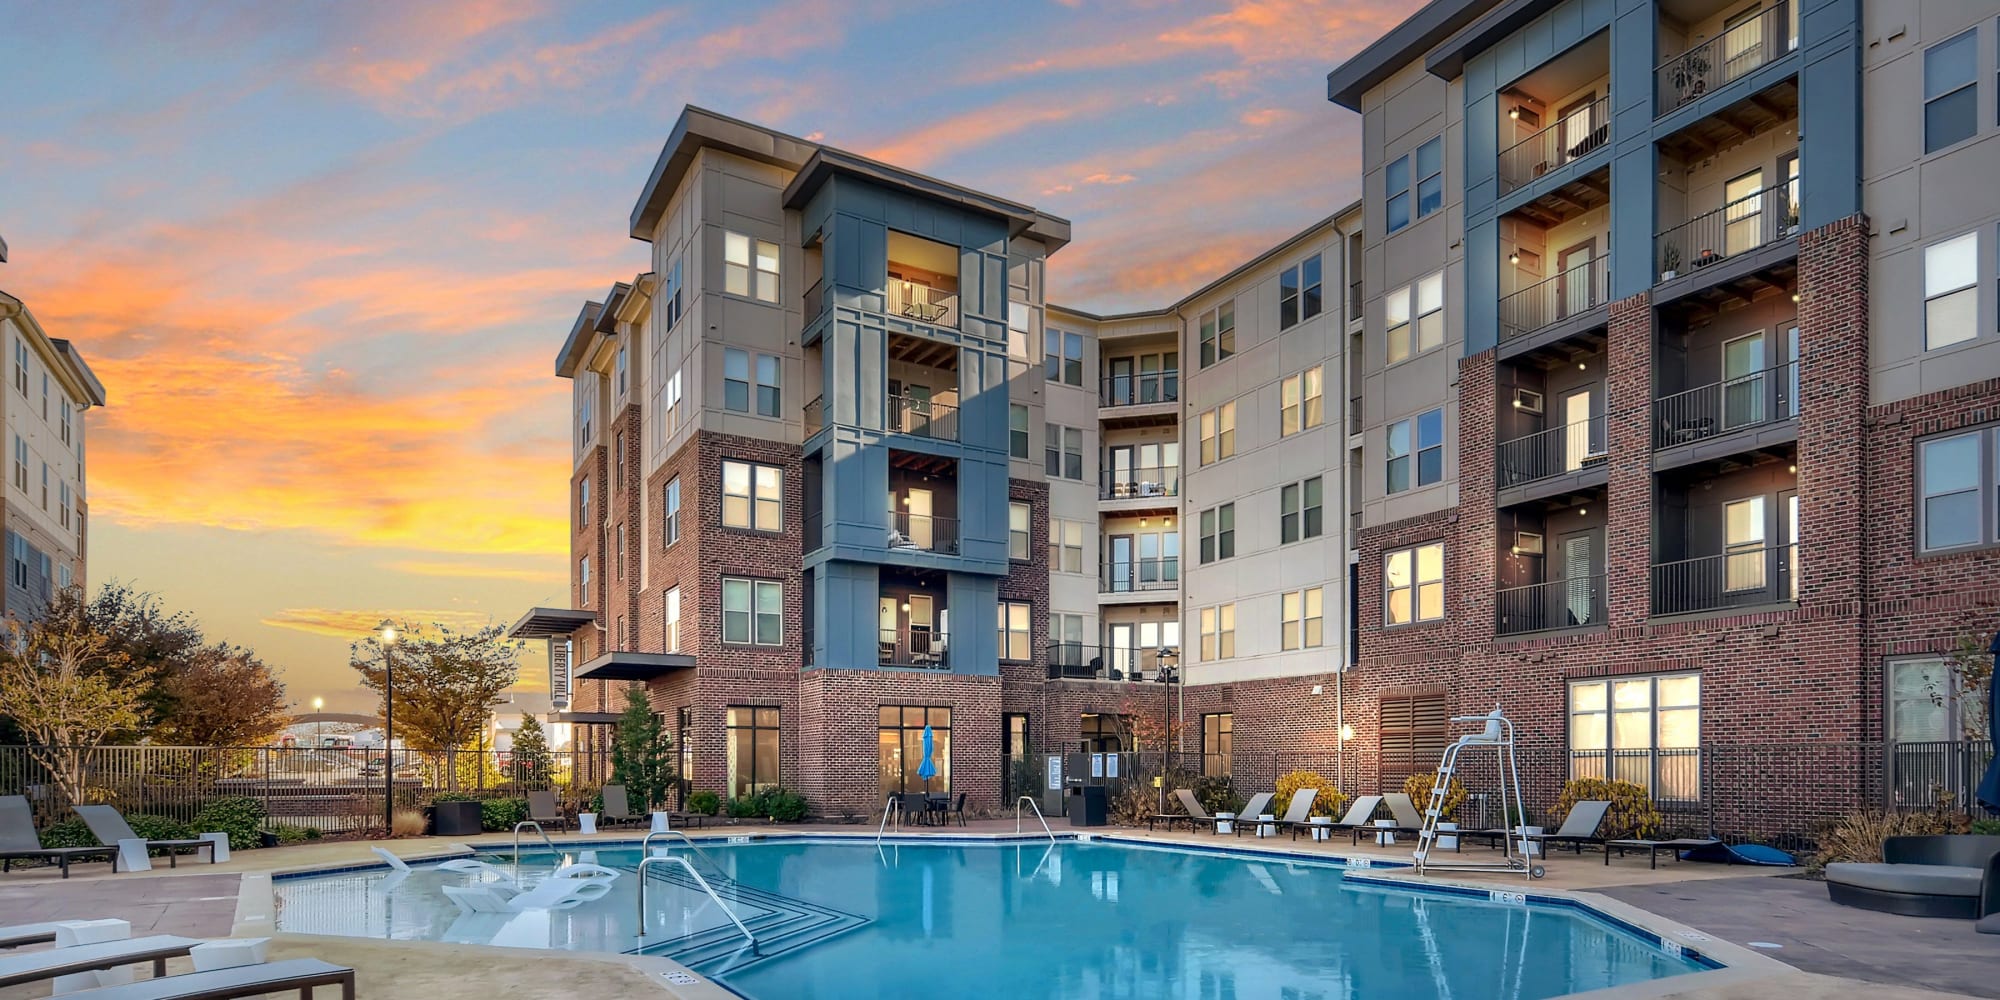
585,718
629,666
544,623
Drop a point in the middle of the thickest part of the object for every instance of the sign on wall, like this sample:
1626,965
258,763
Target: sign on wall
559,674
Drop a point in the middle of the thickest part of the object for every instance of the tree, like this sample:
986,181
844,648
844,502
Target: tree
446,683
156,645
1970,667
68,689
224,696
530,760
642,753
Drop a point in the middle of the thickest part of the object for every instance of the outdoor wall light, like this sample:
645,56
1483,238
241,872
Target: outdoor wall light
1514,113
1346,733
1514,257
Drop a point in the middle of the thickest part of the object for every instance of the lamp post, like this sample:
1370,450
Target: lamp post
1169,660
388,731
318,703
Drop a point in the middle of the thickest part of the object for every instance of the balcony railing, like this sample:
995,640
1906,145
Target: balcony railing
1742,576
1568,448
1571,602
1354,415
924,418
1077,661
1140,389
815,415
1139,575
1724,59
815,300
1134,484
927,532
1576,135
1725,406
1738,227
915,646
1354,301
922,302
1556,298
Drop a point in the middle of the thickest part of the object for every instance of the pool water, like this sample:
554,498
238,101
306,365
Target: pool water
840,919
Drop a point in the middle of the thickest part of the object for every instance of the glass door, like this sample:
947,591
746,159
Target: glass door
1121,382
1119,570
1788,508
1579,560
1743,381
1123,482
1791,402
1149,560
1124,652
918,503
1743,545
1743,213
1580,431
1576,294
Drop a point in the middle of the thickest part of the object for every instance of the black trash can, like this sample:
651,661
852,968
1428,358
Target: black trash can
1087,806
455,819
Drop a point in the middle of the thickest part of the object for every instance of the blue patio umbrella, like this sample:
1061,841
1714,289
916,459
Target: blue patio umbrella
927,769
1989,786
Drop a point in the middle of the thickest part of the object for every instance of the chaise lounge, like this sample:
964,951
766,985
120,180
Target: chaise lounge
1951,876
111,830
19,841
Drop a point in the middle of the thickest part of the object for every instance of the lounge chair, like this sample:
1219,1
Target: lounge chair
19,841
550,894
26,934
1580,826
1402,809
1191,812
1358,815
301,974
39,965
618,808
1258,805
1654,847
109,828
1938,876
1296,813
542,808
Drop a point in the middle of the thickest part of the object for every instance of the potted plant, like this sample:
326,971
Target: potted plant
1691,75
1791,219
1670,258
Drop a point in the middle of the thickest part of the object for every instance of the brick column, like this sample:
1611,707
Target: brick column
1472,604
1833,398
1628,409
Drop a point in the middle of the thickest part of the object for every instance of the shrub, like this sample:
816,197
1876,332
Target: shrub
1329,802
779,804
1418,788
240,817
1216,794
407,823
1987,827
1858,836
288,834
73,832
704,803
68,833
1136,801
500,815
1632,812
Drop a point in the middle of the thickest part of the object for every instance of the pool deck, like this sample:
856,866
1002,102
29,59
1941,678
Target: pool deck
1834,953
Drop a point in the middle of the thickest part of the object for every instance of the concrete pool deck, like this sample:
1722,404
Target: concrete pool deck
1719,903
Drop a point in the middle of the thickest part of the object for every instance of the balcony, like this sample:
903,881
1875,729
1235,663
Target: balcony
923,303
1758,399
1574,292
1573,602
1146,483
1743,577
1138,576
1734,231
1142,389
923,532
1076,661
814,301
815,415
1569,448
924,418
915,647
1576,135
1730,56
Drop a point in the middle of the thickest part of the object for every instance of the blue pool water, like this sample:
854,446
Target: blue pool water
840,919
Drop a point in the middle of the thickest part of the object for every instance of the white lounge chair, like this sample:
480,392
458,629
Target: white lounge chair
552,893
301,974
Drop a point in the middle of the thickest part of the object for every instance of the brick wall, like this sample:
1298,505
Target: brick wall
1628,524
842,774
1029,581
622,505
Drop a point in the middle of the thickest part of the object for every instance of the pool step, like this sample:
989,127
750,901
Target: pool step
781,923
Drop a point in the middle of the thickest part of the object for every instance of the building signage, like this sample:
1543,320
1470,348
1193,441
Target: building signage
559,674
1055,772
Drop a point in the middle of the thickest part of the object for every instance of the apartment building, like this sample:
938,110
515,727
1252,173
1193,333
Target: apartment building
49,387
1678,377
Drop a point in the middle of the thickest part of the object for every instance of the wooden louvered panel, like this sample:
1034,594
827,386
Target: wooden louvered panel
1415,730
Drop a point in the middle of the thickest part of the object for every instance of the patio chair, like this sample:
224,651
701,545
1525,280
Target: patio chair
915,807
542,808
1258,805
1401,808
618,808
1360,814
300,974
21,935
1580,826
109,828
958,808
19,841
39,965
1296,813
1192,813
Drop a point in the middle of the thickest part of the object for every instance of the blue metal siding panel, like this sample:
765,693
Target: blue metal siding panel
1830,111
1482,284
975,613
1634,161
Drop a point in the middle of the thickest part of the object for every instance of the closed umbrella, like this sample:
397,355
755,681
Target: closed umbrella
1989,786
927,768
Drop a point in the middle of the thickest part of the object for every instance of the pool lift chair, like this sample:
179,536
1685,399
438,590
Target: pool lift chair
1497,735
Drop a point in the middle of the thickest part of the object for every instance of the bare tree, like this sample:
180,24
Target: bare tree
68,689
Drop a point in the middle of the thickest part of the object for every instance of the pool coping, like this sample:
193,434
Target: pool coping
256,905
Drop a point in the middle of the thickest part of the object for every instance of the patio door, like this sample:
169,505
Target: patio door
1121,382
1790,406
918,503
1580,431
917,400
1743,528
1743,213
1120,569
890,627
1122,480
1743,381
1743,42
1123,651
922,623
1578,124
1149,559
1575,294
1788,512
1579,562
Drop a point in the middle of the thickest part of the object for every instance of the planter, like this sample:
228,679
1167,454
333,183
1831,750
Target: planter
1322,828
1447,839
1385,833
454,819
1531,840
266,838
586,822
1669,274
1225,822
1267,825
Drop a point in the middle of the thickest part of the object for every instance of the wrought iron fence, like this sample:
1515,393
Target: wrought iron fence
1739,50
1729,405
1077,661
923,418
1551,300
1738,227
1740,577
1574,136
1570,602
1567,448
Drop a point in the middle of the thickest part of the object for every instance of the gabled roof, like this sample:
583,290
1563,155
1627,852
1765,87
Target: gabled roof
578,341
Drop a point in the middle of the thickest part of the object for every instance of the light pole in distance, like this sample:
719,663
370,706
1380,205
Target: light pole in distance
388,731
318,704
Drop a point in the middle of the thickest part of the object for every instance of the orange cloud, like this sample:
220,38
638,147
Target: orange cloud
354,624
920,147
476,571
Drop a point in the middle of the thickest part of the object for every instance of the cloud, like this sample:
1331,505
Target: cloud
356,624
478,571
920,147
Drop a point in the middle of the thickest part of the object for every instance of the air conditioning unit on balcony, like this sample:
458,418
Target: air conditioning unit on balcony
1528,401
1527,543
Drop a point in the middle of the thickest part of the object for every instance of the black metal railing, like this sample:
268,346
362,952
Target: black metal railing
1354,415
1133,484
1742,576
1738,227
924,418
916,646
1079,661
923,531
1571,602
1354,303
1556,298
1671,774
814,301
1140,389
936,306
1724,59
1566,448
1921,773
1729,405
1137,575
815,415
1576,135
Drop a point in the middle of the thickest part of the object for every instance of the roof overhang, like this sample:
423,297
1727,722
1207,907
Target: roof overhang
1437,21
78,381
577,345
698,129
1447,61
630,666
3,250
547,623
1022,220
93,390
585,718
614,302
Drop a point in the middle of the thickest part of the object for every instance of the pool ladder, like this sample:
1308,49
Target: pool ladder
646,848
1030,800
538,832
674,859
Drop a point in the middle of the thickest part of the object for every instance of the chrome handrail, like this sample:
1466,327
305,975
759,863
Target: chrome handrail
538,832
889,806
672,859
646,848
1030,800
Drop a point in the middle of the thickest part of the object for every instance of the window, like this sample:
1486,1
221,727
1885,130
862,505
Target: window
770,395
21,367
621,550
1413,584
1218,533
1956,485
1065,545
673,398
1020,331
749,267
1218,632
1951,91
1414,732
1218,433
1430,177
1300,511
618,372
671,530
900,739
670,296
1299,293
670,621
1063,356
736,380
1416,326
1299,402
583,502
1429,184
1302,619
18,548
753,750
1925,706
1429,443
1640,729
1017,531
583,581
1014,616
65,505
1743,544
1062,452
586,405
1067,631
752,611
21,464
66,411
45,486
1218,333
45,397
1951,291
684,740
1216,731
753,496
1017,430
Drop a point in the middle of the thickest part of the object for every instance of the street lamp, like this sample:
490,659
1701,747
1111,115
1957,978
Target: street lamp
1168,658
318,703
388,731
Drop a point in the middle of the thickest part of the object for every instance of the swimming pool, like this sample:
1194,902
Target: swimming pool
844,918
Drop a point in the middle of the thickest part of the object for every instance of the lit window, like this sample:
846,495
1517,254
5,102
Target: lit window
1302,622
753,496
752,611
1416,318
1014,634
671,620
1218,632
750,267
1645,730
1951,291
1413,584
1017,530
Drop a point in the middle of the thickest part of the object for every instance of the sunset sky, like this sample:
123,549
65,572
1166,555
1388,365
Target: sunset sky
322,254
